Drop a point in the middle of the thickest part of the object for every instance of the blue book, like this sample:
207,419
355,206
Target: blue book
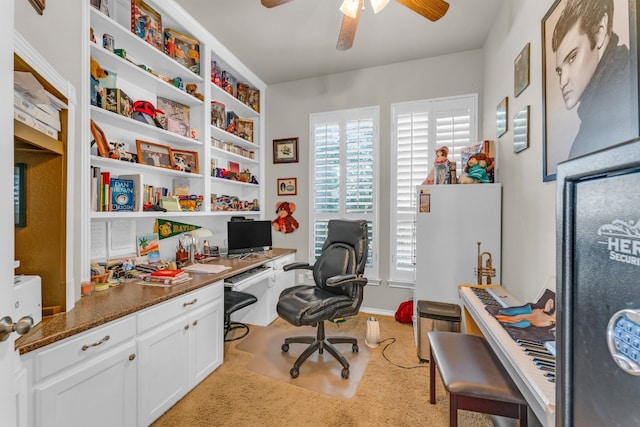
122,194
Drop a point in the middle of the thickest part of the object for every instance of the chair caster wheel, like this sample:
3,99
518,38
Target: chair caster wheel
354,348
285,348
345,373
294,372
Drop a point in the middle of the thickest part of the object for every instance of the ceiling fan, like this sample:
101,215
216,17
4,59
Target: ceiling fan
351,9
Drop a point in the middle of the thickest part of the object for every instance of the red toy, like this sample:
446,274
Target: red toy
285,222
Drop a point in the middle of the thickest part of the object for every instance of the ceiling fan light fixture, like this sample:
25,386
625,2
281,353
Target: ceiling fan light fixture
350,8
378,5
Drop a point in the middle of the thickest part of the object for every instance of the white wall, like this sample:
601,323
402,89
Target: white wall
287,115
528,210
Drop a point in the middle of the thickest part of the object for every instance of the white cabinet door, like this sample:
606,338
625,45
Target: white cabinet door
163,374
205,337
100,392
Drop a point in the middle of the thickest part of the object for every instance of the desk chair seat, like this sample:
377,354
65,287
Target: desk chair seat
234,301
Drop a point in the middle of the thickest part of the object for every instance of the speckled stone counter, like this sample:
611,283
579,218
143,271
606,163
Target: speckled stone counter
103,307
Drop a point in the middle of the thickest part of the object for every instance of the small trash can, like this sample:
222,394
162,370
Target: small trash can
435,316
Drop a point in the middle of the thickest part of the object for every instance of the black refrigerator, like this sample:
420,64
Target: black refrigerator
598,289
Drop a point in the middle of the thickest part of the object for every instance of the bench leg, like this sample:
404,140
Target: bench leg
432,378
453,410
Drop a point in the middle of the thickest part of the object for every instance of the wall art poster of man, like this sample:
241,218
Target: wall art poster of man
589,94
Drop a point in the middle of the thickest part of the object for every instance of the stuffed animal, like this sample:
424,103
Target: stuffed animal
285,222
476,169
97,72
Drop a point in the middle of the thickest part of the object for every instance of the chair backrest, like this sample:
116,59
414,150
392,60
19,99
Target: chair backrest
344,252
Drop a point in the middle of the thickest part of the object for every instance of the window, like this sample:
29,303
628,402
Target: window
419,127
343,173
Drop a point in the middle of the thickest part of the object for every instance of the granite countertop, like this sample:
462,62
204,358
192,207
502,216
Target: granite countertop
122,300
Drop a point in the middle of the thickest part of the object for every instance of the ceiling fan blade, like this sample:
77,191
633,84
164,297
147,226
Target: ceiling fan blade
348,29
430,9
273,3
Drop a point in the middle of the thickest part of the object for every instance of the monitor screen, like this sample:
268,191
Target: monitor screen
248,236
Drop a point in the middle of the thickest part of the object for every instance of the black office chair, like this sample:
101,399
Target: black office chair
337,293
234,301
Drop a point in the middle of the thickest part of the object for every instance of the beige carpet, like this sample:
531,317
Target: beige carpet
387,395
320,373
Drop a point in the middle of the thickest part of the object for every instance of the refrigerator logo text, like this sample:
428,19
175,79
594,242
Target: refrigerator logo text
623,241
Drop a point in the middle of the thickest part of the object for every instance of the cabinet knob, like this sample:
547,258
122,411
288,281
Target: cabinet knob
195,322
186,327
132,356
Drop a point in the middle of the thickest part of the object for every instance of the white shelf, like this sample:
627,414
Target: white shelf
140,129
139,167
148,214
232,182
219,152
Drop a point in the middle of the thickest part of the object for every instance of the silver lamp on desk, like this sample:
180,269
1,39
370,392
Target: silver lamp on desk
198,237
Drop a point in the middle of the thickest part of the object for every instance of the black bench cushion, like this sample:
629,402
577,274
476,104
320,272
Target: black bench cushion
469,367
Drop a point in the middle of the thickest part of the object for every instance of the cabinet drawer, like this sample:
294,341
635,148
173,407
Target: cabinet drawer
166,311
278,263
79,348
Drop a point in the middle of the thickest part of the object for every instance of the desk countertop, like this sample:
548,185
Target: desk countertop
103,307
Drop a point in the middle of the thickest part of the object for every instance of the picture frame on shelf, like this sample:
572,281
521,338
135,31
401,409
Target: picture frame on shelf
39,5
244,129
285,150
146,23
604,110
253,99
183,49
173,110
100,139
104,6
186,161
521,71
152,154
502,112
287,186
521,130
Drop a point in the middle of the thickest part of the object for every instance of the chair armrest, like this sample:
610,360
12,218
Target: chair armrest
297,266
346,279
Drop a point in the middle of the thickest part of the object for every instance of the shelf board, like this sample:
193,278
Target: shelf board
140,51
231,103
229,155
232,182
139,167
148,214
225,136
28,135
140,128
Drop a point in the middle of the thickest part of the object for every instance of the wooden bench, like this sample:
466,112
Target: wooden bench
473,376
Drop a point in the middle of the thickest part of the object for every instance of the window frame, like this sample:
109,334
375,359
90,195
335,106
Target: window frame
405,277
342,117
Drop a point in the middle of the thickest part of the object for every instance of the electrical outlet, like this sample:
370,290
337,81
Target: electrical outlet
301,278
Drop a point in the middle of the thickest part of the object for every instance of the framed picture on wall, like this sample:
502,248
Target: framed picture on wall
502,112
590,78
287,186
521,130
285,150
39,5
521,71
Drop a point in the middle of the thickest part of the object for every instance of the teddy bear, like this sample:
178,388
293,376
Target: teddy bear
285,222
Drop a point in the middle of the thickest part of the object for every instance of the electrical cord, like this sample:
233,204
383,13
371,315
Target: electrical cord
393,363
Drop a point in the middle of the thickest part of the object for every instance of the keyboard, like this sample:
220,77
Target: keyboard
246,274
529,363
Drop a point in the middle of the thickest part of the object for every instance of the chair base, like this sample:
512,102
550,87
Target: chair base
232,326
319,343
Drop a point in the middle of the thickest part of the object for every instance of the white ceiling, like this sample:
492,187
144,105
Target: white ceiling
297,40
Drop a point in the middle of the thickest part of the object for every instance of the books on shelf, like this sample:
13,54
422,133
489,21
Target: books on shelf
138,189
50,117
122,194
165,281
30,121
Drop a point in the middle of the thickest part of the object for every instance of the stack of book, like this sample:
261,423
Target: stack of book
166,277
34,106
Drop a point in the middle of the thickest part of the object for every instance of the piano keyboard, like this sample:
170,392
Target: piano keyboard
530,363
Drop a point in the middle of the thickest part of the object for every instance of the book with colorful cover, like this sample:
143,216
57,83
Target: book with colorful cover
167,273
122,194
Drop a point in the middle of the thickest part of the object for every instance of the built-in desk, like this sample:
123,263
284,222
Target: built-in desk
129,298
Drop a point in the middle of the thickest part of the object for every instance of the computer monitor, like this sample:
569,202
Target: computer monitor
248,236
598,292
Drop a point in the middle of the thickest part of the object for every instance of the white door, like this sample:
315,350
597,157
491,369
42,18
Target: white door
8,357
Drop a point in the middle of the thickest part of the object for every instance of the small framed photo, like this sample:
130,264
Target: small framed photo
521,130
521,71
146,23
287,186
183,49
502,112
153,154
100,139
39,5
186,161
285,150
